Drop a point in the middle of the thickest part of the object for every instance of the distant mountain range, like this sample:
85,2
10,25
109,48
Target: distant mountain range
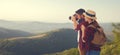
33,27
40,27
49,42
8,33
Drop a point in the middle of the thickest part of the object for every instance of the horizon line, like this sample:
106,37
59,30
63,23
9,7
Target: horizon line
44,21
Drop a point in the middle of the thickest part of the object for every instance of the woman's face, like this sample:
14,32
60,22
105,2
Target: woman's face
86,19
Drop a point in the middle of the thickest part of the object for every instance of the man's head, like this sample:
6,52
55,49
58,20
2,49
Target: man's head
79,13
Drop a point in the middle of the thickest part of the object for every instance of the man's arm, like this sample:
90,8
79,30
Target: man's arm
83,32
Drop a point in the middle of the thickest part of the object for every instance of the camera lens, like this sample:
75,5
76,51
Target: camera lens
69,17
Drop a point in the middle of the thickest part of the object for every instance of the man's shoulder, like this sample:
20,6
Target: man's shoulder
84,23
81,20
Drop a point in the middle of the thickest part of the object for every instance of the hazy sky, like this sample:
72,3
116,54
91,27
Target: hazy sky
57,10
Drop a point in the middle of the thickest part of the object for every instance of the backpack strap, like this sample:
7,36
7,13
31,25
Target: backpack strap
92,26
96,28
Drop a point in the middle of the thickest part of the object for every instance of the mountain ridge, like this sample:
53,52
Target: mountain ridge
39,27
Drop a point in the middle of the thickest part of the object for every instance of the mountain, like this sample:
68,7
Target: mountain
7,33
49,42
44,43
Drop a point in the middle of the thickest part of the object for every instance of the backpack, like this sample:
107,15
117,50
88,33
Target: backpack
99,38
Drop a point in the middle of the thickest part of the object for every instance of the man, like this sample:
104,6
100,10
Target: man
78,19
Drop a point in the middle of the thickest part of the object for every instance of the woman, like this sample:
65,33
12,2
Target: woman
88,33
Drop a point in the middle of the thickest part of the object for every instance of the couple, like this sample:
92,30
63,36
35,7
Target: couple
81,20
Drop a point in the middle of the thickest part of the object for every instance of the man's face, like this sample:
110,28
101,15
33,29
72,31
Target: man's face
79,16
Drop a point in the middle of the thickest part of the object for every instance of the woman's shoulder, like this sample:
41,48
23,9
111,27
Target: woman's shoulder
96,24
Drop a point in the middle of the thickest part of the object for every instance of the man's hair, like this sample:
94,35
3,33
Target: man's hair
80,11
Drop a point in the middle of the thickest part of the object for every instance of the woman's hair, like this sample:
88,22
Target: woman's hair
95,23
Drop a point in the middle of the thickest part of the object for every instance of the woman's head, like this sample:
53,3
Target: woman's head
90,15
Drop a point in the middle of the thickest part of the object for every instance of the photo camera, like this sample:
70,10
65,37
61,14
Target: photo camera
70,17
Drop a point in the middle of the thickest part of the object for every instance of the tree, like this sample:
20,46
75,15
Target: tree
113,48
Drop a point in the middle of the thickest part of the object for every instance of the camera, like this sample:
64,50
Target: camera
70,17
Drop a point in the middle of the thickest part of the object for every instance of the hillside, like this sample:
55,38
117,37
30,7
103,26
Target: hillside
49,42
8,33
71,51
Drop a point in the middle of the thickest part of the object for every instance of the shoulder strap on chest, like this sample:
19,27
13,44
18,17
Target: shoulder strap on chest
92,26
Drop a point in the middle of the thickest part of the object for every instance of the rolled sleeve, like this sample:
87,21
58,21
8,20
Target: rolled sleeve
78,27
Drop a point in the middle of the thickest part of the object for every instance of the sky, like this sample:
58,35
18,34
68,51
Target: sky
57,11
